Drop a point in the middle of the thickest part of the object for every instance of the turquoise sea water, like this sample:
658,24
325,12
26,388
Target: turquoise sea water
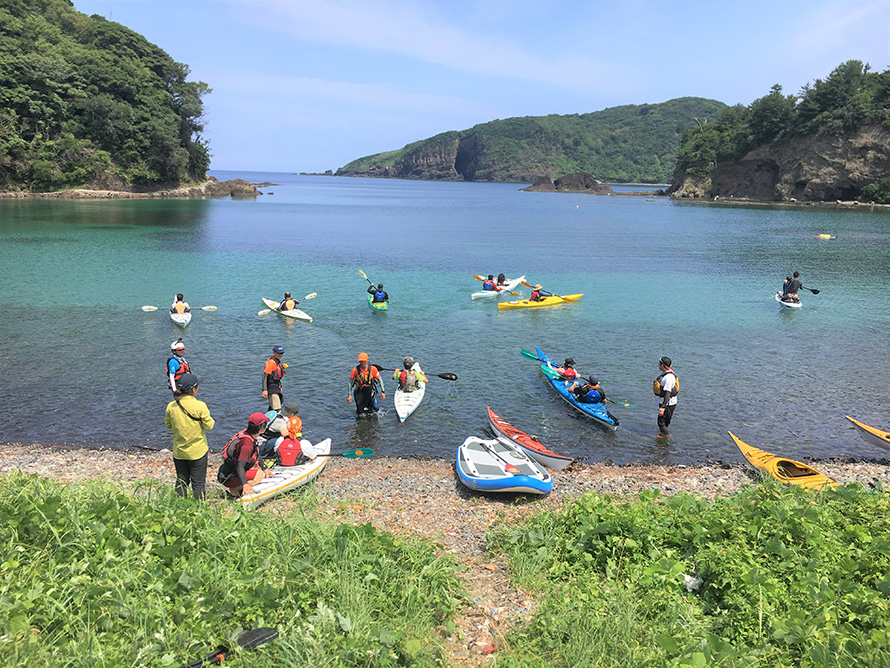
82,364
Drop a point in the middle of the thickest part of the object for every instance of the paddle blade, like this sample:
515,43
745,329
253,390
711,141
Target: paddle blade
208,308
362,274
359,453
529,354
264,311
256,637
311,295
815,292
527,284
447,376
626,404
149,308
478,277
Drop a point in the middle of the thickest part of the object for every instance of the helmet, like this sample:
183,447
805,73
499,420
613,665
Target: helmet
177,345
380,286
186,382
569,362
593,380
408,362
278,349
363,357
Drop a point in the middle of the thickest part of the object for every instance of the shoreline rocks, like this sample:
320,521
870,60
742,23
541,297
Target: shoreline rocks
211,188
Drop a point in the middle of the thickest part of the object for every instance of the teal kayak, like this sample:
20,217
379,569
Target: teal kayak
377,306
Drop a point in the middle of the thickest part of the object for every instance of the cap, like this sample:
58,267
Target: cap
408,362
186,382
177,344
569,362
291,408
257,419
363,357
537,286
278,349
380,286
593,380
666,361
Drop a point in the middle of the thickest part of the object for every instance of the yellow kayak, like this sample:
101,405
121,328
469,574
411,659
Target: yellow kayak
784,470
546,301
873,435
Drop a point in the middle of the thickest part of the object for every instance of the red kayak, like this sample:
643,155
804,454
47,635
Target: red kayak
530,444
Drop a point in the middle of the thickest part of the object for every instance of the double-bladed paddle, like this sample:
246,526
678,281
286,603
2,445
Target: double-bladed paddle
311,295
248,640
147,308
445,376
530,355
365,276
565,299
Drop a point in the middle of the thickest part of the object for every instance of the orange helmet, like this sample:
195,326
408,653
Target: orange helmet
363,357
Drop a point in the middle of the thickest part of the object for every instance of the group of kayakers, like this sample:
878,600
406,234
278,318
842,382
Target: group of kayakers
491,285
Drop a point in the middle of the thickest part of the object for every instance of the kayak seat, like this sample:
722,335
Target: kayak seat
790,470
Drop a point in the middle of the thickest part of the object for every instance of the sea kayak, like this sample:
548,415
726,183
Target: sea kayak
530,444
377,306
787,304
294,313
873,435
546,301
287,478
788,471
597,412
407,402
498,466
181,319
509,285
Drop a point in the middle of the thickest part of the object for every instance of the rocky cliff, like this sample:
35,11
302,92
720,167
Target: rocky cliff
807,169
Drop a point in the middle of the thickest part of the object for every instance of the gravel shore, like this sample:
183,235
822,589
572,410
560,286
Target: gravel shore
423,497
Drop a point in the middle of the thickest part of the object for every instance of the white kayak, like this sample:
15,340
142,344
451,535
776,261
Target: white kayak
508,286
287,478
293,313
407,402
181,319
787,304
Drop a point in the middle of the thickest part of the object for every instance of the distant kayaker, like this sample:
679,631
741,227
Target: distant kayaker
488,285
288,303
273,372
589,392
791,287
378,294
285,424
538,294
364,383
501,279
409,380
666,387
188,419
567,370
176,366
179,305
242,467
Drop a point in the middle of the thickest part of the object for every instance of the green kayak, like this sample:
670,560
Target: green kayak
377,306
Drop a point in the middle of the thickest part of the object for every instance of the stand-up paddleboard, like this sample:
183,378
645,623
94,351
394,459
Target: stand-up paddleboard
787,304
294,313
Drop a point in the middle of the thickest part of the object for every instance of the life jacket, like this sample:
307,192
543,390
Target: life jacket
595,396
379,296
362,376
659,390
568,373
407,381
535,296
288,304
278,372
183,368
230,454
488,286
180,307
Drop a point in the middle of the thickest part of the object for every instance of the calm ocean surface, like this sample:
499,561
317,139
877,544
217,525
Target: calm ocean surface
82,364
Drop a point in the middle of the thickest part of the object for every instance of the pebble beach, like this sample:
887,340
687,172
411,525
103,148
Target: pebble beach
422,497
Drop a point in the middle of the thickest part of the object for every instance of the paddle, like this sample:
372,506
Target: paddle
311,295
508,467
815,292
247,640
532,356
445,376
357,453
365,276
565,299
155,308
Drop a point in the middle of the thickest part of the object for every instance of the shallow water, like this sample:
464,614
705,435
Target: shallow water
82,364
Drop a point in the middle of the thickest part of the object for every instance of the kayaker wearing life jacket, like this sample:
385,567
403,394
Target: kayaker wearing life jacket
501,279
590,392
378,293
176,366
409,379
666,387
288,303
364,384
489,285
242,467
179,306
284,424
273,372
538,294
567,370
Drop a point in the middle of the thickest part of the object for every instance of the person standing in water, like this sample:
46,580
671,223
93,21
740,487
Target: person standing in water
364,384
666,387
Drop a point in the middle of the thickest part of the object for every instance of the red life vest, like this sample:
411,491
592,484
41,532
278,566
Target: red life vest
183,368
363,376
231,452
278,372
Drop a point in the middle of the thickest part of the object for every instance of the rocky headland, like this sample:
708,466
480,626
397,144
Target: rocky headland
211,188
582,182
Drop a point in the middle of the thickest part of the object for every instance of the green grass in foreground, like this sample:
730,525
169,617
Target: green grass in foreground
789,578
93,576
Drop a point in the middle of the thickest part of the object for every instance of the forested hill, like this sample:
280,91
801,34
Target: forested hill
632,143
87,101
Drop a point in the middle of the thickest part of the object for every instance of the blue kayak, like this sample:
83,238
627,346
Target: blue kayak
597,412
500,466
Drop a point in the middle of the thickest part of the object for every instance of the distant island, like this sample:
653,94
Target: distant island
627,144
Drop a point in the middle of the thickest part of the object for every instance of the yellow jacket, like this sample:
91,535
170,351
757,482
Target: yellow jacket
189,439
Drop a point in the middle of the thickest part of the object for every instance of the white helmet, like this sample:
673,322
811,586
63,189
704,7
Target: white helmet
177,345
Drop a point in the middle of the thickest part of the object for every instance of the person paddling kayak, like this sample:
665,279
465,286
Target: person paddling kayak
538,294
179,305
488,285
590,392
409,379
288,303
378,294
364,383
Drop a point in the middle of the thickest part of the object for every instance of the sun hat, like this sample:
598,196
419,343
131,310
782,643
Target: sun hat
186,382
291,408
256,419
537,286
363,357
278,349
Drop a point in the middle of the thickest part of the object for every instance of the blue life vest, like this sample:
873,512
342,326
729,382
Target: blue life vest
379,296
488,286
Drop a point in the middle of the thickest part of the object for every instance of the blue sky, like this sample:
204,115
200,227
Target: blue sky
308,85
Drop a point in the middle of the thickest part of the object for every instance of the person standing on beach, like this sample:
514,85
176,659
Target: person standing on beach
189,419
177,367
666,387
273,372
364,384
